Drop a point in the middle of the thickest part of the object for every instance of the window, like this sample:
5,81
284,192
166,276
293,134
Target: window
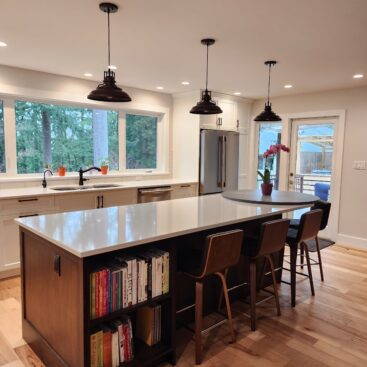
2,140
141,142
54,135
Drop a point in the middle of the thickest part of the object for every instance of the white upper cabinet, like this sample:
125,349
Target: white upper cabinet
224,121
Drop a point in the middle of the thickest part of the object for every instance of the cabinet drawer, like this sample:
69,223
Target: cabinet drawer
25,205
184,191
74,202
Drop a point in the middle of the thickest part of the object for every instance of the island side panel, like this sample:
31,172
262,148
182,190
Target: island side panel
52,301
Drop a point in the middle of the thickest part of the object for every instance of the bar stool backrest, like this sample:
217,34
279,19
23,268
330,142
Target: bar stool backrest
309,225
222,251
325,207
273,236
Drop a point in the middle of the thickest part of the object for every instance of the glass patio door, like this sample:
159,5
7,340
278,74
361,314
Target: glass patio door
311,158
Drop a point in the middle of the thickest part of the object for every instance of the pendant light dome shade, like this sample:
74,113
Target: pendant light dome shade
108,91
206,106
268,115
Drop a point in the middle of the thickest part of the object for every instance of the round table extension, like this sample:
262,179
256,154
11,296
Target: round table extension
276,198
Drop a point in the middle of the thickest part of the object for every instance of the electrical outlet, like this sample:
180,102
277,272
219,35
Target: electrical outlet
360,165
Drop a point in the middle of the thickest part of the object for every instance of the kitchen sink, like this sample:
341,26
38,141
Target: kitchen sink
87,187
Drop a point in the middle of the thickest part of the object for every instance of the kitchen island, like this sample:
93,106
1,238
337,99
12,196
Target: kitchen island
60,251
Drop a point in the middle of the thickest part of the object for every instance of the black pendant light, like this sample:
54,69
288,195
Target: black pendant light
206,106
108,91
268,115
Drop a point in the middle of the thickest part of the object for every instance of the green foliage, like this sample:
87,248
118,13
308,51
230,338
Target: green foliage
71,136
141,141
2,141
265,176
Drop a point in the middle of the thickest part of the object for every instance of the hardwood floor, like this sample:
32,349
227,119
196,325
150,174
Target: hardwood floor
329,329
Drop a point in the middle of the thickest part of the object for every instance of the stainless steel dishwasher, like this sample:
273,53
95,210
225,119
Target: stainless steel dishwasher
147,195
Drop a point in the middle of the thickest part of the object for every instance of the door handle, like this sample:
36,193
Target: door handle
224,160
220,161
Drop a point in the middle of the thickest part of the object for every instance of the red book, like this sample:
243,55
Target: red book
97,294
126,342
107,348
104,292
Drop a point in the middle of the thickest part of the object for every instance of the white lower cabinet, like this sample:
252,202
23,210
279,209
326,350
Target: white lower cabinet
184,191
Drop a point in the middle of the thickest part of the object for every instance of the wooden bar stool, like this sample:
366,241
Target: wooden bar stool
272,239
325,207
221,252
308,229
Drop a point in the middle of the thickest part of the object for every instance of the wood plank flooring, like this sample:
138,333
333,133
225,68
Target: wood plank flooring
329,329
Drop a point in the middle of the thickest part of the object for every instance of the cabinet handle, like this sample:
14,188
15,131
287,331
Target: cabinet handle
29,215
25,200
185,185
57,264
102,204
98,202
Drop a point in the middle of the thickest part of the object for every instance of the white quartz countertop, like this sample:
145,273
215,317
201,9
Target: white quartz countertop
91,232
40,191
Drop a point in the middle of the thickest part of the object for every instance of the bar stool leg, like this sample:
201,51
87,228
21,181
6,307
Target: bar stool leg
275,286
221,291
198,321
319,256
293,251
253,293
309,269
228,305
302,256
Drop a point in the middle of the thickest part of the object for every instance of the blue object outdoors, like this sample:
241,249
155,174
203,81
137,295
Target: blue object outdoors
322,191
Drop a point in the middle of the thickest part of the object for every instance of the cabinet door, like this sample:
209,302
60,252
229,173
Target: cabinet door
53,297
228,117
184,191
118,197
9,243
78,201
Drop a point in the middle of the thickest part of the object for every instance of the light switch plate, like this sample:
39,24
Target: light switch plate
361,165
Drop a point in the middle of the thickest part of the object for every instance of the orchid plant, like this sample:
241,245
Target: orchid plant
269,156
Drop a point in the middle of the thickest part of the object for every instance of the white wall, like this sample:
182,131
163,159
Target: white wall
353,199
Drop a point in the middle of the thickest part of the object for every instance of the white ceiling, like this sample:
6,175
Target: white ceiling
319,44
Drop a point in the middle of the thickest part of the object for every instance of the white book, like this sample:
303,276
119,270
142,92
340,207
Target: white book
159,275
134,283
154,273
115,350
125,286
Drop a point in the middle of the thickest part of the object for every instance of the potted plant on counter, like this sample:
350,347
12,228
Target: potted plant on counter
269,154
104,166
61,170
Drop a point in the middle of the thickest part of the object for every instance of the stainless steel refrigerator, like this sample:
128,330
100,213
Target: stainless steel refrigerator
218,161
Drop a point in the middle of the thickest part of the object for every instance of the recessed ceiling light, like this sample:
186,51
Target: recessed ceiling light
358,76
112,67
287,86
159,87
185,83
88,74
3,44
237,93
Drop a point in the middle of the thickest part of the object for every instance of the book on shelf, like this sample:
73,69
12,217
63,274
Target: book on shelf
148,324
112,344
127,280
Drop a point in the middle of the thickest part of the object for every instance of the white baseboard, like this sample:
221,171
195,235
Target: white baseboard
9,273
358,243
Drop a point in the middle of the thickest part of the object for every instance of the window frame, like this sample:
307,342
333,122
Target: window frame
162,114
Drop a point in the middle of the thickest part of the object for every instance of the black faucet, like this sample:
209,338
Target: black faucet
81,178
44,183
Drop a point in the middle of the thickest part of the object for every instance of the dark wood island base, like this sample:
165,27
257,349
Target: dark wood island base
55,294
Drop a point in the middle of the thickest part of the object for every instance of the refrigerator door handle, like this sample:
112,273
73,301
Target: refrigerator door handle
224,161
220,163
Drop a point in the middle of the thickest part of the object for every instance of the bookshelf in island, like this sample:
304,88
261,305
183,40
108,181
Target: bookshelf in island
101,287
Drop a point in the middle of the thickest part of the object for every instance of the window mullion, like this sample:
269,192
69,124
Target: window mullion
10,137
122,141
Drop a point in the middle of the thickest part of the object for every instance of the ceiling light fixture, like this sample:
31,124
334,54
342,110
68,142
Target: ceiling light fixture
3,44
358,76
88,74
206,106
268,114
159,87
112,67
108,91
185,83
288,86
237,93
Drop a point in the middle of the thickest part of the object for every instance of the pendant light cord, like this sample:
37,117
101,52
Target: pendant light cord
207,66
269,84
109,42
